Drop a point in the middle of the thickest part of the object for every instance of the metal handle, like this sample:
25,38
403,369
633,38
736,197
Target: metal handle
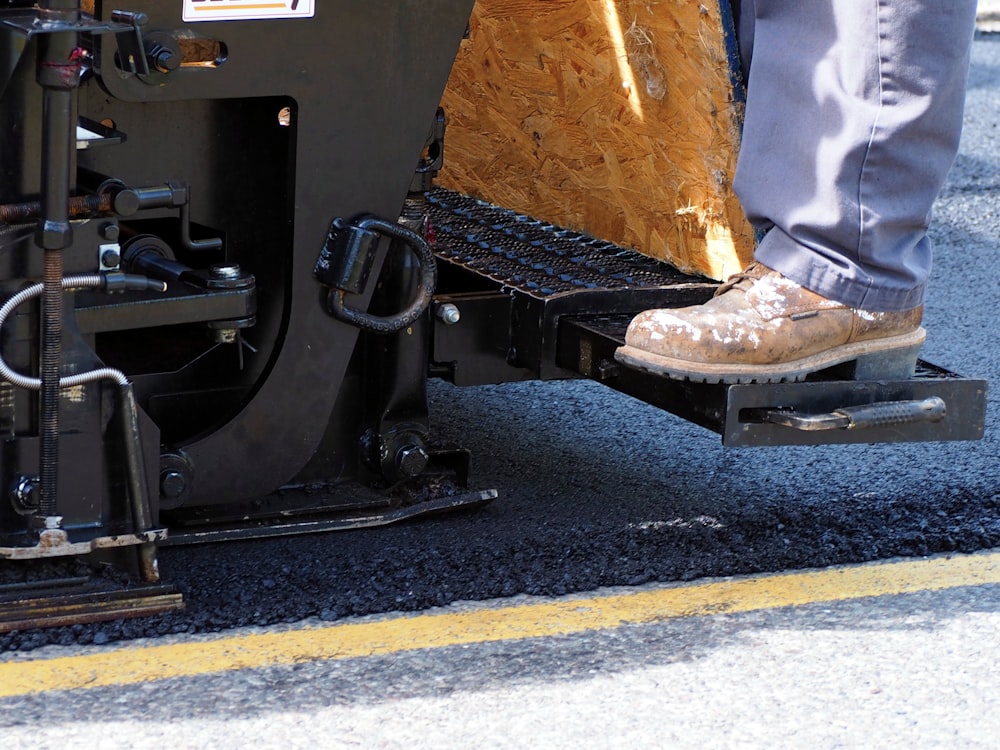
425,290
886,414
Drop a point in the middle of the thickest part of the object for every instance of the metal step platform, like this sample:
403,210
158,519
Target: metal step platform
512,278
537,301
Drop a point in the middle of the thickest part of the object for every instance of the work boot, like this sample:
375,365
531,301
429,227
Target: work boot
762,327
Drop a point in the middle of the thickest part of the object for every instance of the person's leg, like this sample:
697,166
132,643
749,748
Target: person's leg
854,111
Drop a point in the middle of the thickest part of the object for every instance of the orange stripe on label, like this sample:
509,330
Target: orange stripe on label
241,6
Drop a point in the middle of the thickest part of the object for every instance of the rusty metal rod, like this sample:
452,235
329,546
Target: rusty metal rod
80,207
45,610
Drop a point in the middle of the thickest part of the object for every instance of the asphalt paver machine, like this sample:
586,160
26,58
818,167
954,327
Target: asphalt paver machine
228,275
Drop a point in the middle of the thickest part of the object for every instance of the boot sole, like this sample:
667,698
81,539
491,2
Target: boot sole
894,357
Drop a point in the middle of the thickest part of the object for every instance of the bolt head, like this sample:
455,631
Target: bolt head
172,484
411,460
54,235
165,61
24,495
110,258
449,314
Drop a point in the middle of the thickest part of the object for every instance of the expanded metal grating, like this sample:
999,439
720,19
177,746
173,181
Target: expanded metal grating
536,257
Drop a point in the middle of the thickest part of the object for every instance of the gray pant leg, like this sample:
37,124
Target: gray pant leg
854,112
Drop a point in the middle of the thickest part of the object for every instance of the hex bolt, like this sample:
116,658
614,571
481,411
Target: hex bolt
448,314
411,460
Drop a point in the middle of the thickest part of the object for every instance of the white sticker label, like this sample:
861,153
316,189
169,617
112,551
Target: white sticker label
245,10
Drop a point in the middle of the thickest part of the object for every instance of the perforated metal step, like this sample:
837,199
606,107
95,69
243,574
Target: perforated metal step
535,257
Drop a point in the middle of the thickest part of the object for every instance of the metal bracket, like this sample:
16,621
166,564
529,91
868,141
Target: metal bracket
54,542
27,23
125,25
131,52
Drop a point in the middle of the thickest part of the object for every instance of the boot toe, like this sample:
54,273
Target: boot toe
662,331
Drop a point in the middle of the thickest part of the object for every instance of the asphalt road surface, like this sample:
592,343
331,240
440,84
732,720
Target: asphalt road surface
599,490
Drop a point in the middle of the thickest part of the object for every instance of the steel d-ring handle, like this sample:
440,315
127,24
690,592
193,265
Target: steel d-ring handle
346,261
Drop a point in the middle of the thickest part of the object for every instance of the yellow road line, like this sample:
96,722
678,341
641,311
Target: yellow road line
128,665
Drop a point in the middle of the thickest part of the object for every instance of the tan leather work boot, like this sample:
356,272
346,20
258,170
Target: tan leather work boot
762,327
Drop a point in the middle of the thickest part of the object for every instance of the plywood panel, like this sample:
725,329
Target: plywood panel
613,117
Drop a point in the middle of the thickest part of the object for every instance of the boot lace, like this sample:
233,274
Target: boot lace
744,279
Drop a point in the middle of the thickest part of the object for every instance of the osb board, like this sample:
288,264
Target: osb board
613,117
